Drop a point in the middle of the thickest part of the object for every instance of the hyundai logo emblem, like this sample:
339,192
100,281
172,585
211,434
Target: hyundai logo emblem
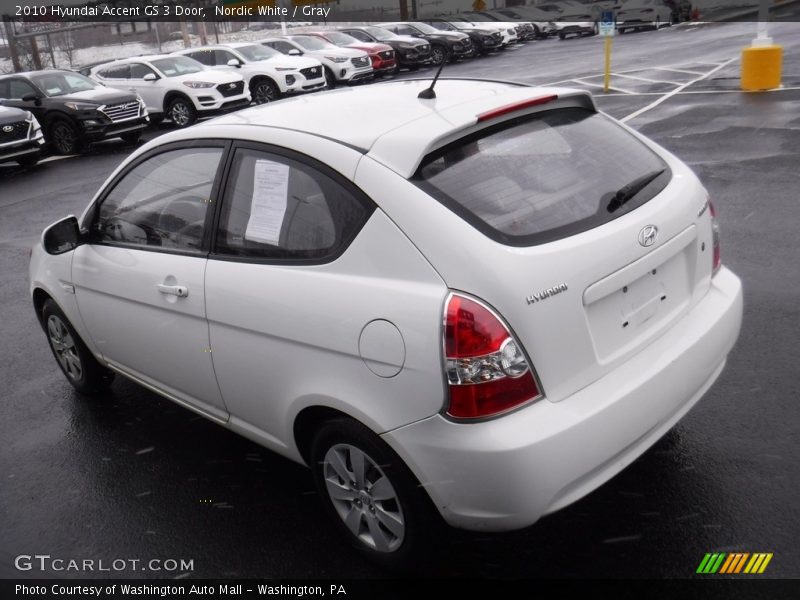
8,129
648,235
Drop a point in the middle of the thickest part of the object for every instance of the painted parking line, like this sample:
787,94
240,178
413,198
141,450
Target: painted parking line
627,76
599,85
674,70
55,158
677,90
697,92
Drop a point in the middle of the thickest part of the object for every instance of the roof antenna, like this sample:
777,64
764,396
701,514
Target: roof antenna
428,93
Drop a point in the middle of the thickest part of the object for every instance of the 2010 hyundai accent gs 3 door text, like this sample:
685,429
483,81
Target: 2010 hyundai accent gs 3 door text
475,308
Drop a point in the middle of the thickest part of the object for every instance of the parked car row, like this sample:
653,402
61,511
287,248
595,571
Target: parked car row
69,110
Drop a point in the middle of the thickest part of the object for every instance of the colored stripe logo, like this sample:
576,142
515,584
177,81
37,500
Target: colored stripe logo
734,563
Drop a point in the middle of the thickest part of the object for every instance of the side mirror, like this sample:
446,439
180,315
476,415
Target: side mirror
150,77
31,97
234,62
62,236
294,52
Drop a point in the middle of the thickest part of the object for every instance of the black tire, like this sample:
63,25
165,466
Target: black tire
131,137
537,33
438,54
64,137
595,29
562,36
414,547
181,112
80,368
28,161
330,79
264,90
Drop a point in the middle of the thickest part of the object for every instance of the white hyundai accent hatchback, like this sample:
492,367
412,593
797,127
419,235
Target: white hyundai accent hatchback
475,308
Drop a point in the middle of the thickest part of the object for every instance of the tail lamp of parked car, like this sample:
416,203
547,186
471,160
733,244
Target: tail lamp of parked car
487,371
717,260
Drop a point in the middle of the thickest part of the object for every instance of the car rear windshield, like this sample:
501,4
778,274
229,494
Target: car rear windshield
542,177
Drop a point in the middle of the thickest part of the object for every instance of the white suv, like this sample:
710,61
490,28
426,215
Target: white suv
345,65
175,87
269,74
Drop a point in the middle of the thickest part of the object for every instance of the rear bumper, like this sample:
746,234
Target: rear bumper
505,473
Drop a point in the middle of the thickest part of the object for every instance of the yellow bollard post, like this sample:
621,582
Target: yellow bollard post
761,67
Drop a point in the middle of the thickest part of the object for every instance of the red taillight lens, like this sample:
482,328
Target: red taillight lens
717,257
487,371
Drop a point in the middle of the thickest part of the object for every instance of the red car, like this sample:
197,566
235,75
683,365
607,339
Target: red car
381,55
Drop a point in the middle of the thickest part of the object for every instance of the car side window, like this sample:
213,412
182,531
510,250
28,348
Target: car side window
116,72
359,35
205,57
138,71
161,202
223,56
280,208
281,46
19,88
405,30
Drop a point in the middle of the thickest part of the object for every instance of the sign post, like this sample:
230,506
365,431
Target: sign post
606,30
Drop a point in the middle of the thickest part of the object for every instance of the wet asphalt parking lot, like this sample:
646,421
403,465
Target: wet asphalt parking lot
131,475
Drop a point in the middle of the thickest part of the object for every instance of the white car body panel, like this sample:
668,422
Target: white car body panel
111,281
395,284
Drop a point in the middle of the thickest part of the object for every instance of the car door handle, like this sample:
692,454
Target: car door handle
181,291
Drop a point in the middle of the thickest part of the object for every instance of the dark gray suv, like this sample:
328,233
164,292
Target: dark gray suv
73,109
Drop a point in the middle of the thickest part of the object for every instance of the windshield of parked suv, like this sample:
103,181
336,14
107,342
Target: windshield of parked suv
174,66
258,52
424,28
312,43
54,83
340,39
543,177
379,33
480,17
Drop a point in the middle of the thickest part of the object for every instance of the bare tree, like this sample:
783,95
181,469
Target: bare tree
66,45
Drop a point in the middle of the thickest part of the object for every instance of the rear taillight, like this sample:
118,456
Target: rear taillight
717,260
487,371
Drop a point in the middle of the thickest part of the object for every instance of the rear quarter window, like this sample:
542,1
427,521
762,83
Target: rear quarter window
542,177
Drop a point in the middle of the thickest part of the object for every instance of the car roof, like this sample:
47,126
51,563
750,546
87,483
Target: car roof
387,121
27,74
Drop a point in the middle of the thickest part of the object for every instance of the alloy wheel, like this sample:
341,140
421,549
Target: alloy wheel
364,498
180,114
64,348
64,138
264,92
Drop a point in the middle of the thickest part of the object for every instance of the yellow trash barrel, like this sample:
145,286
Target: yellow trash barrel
761,67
